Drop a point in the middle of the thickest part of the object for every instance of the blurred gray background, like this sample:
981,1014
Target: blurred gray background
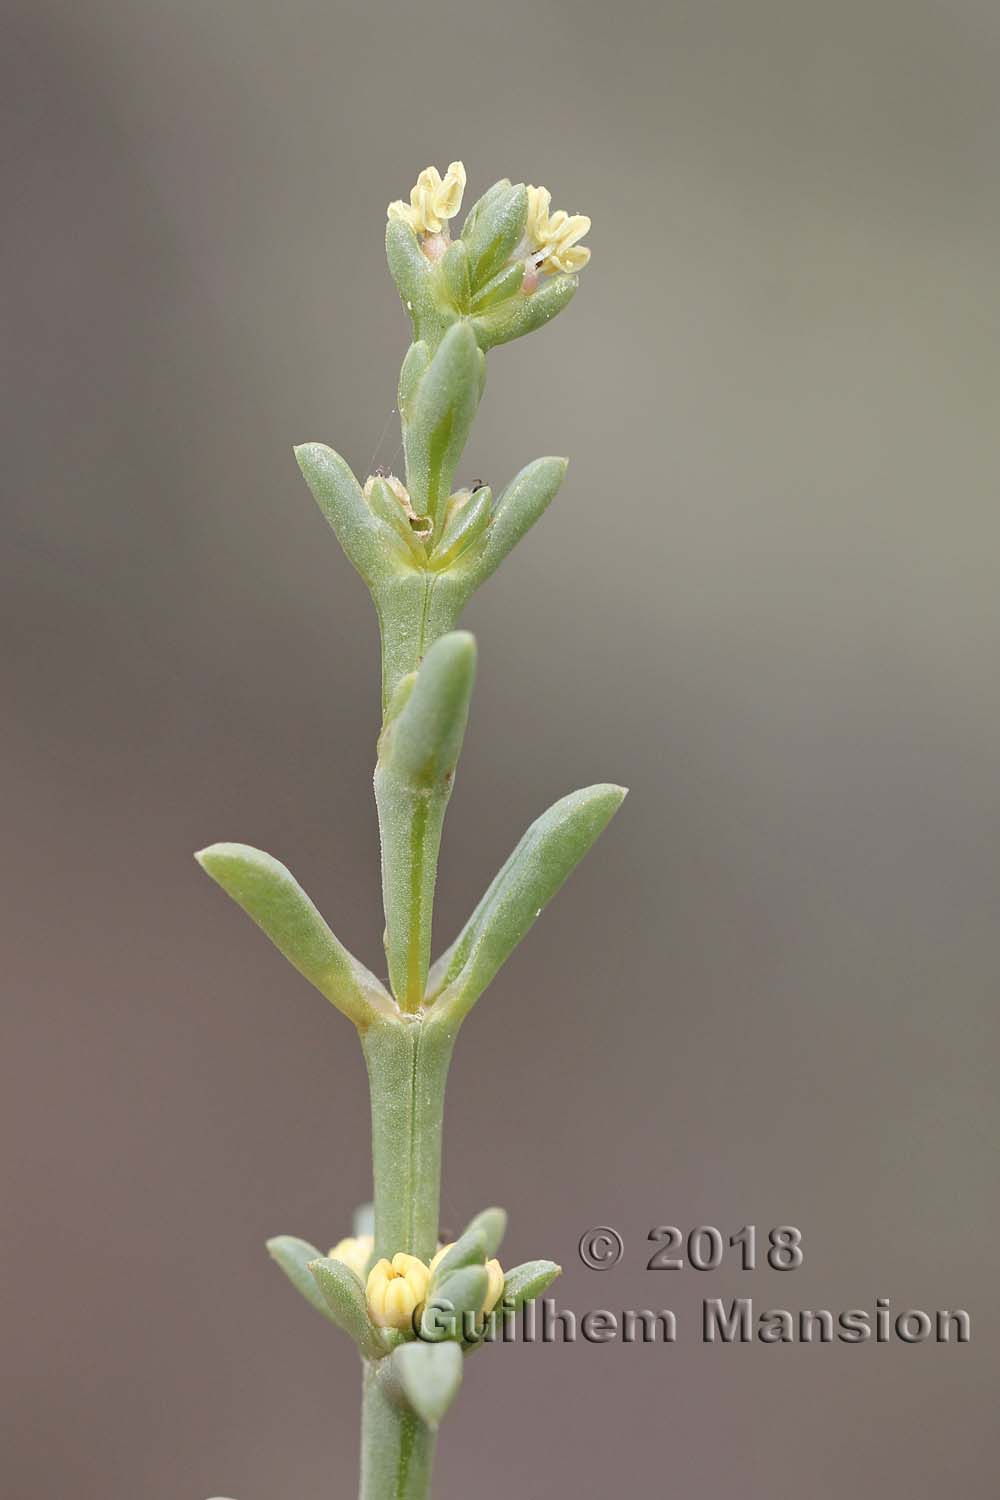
766,599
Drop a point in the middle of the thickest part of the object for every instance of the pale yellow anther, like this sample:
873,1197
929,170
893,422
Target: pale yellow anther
494,1278
396,1288
354,1252
552,237
539,203
433,200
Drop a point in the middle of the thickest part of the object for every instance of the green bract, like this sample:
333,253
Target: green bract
423,545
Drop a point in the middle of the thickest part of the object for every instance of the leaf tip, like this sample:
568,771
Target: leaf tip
215,859
611,792
458,646
210,856
313,456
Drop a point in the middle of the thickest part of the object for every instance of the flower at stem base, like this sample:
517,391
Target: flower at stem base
354,1252
396,1288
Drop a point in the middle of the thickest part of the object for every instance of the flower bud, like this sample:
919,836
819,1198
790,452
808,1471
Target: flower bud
396,1289
354,1252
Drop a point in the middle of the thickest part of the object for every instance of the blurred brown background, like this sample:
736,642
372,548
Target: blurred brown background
766,599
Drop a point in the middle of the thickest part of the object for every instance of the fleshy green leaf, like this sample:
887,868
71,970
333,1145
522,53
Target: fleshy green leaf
492,1225
526,1282
482,205
443,406
465,520
294,1257
413,369
547,854
427,1378
451,1300
522,1284
410,268
423,740
506,283
271,895
523,314
518,508
454,272
468,1250
345,1297
493,228
418,753
339,496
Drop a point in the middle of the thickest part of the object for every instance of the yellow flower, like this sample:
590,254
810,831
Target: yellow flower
433,200
552,238
396,1289
354,1252
494,1279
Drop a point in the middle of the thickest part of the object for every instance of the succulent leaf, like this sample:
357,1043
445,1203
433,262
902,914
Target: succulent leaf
522,314
524,500
341,499
468,1250
491,1223
526,1282
294,1256
493,228
443,405
270,894
345,1297
451,1301
418,753
547,854
427,1377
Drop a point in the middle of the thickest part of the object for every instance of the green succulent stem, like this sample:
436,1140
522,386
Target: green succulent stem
407,1064
397,1448
414,611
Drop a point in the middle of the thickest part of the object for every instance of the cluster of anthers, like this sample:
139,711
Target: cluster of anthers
551,240
396,1289
433,201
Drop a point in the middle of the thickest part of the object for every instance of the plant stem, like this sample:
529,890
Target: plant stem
407,1071
397,1448
413,611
